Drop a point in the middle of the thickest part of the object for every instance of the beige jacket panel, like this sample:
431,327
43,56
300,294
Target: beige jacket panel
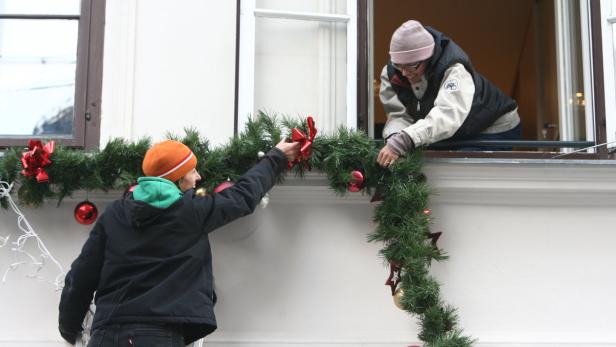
397,117
451,107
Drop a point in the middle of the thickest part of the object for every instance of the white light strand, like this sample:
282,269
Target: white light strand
3,241
18,246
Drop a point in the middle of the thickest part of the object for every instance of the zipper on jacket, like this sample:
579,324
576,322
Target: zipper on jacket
418,105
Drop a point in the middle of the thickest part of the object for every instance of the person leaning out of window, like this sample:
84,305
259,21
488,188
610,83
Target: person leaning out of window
431,92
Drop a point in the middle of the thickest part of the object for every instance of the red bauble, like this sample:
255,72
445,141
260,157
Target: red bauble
224,185
427,212
356,182
357,177
353,188
85,212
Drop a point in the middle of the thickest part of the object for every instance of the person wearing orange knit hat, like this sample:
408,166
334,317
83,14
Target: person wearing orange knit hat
148,257
431,92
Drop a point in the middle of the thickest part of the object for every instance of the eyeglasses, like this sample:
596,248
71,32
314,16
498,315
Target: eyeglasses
410,67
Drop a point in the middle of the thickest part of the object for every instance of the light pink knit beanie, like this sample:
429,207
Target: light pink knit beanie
410,43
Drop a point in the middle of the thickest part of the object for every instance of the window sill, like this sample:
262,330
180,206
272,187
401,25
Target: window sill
522,182
515,155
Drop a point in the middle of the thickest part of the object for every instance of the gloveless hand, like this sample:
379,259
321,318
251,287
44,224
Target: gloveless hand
290,149
386,156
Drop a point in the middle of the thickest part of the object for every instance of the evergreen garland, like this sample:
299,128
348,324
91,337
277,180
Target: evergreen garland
402,226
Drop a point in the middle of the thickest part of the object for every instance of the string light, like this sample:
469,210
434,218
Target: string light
27,234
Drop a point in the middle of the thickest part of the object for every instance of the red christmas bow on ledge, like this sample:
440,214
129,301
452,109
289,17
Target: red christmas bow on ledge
36,158
305,142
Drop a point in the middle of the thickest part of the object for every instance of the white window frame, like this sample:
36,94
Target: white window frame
566,92
246,78
607,24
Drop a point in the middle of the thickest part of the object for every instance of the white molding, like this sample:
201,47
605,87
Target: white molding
609,86
393,338
460,181
403,343
319,17
119,77
246,72
524,183
327,70
351,58
374,339
128,93
248,342
587,70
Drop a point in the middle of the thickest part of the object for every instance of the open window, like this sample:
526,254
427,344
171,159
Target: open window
50,71
324,58
298,58
543,53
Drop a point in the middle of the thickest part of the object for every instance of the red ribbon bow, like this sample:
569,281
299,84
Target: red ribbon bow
36,158
305,142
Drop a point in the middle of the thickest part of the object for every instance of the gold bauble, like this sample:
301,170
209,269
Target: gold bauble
201,192
398,298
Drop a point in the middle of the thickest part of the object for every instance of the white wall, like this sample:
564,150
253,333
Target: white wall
531,243
167,66
531,248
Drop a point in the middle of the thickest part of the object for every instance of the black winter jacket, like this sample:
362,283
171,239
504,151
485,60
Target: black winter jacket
151,265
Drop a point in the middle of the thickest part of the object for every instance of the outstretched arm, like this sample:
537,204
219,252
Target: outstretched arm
242,198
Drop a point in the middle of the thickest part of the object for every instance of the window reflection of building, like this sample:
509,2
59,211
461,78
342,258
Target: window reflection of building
51,70
61,123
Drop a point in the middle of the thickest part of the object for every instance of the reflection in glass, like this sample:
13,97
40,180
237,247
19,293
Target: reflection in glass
37,77
300,70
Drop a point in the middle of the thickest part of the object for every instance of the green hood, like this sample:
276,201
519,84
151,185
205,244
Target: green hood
157,192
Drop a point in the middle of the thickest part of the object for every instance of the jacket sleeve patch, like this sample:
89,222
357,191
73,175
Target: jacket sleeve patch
451,85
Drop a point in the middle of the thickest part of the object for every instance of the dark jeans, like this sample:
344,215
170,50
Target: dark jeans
136,335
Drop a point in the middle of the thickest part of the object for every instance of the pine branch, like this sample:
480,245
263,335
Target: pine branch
401,224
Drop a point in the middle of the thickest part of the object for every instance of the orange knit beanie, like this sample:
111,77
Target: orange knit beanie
169,159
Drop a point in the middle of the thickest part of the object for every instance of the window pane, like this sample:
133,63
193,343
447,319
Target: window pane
300,70
329,7
39,7
37,76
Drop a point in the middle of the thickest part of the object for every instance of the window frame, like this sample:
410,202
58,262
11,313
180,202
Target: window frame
598,95
246,14
608,23
88,76
364,87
